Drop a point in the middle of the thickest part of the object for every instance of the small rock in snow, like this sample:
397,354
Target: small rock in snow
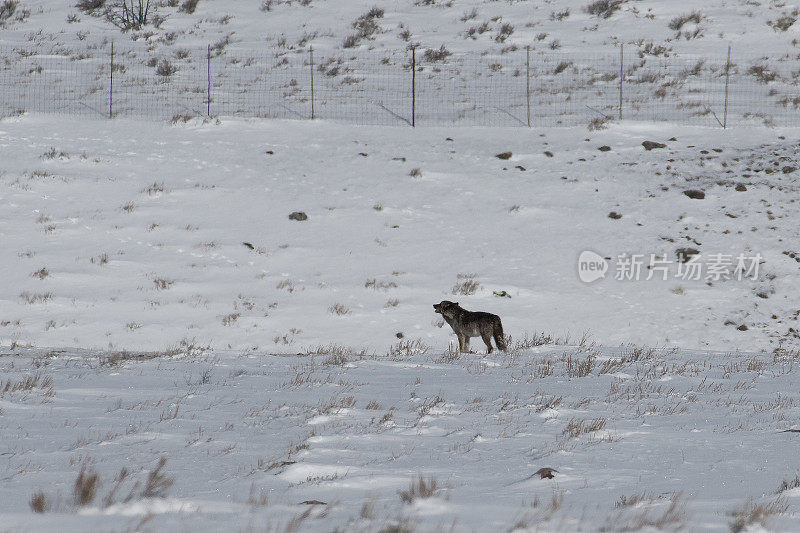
694,194
649,145
546,473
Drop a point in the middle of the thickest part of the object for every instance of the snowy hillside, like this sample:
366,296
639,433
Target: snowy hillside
125,239
253,59
461,25
128,235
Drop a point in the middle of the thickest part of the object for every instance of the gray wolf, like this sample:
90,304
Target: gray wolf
468,324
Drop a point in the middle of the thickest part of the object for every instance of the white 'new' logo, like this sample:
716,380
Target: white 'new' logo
591,266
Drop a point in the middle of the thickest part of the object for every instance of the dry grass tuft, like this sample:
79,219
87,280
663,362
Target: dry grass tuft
155,189
117,358
603,8
789,484
85,487
575,367
26,384
466,285
41,273
672,518
339,309
162,284
756,513
39,503
577,427
35,298
420,488
599,123
677,23
260,499
158,484
375,284
337,355
409,347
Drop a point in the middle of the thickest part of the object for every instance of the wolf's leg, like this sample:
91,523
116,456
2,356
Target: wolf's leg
466,344
486,335
499,338
461,345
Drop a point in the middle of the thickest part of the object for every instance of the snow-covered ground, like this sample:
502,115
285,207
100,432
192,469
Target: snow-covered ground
640,438
124,239
128,235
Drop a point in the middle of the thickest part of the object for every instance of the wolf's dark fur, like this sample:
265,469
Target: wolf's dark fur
468,324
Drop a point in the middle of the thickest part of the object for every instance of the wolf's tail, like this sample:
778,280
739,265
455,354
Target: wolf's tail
499,339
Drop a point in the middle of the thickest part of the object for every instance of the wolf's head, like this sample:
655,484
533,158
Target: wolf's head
446,308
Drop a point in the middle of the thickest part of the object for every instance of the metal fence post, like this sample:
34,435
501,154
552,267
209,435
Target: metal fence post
621,76
528,81
727,77
208,77
413,86
111,85
311,55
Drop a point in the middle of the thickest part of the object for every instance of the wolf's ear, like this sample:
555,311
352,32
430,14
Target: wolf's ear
455,303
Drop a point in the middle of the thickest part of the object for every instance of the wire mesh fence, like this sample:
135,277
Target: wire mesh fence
518,88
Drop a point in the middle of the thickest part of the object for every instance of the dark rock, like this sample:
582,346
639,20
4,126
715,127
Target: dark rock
695,194
399,335
685,254
362,154
298,215
504,155
788,169
546,473
743,327
673,139
520,167
549,154
249,245
604,148
741,187
649,145
501,294
270,152
614,215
